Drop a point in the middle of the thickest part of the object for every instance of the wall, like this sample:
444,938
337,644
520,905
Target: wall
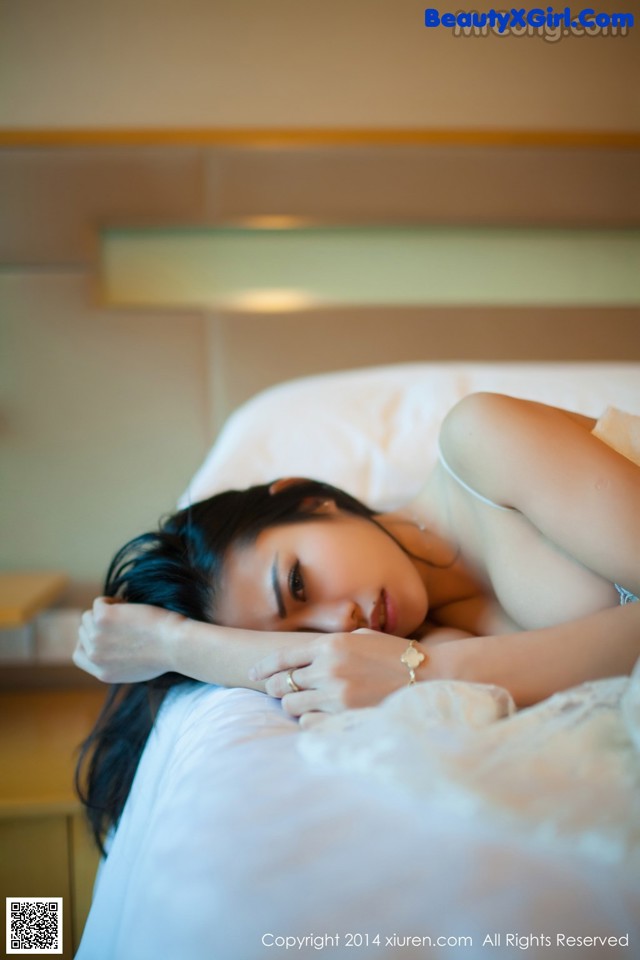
364,63
103,421
103,415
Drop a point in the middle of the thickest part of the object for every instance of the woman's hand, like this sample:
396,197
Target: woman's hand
126,642
340,671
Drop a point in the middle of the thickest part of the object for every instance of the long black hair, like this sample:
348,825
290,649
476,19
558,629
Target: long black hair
178,567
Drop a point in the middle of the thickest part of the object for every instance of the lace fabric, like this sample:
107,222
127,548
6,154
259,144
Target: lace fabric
626,596
565,771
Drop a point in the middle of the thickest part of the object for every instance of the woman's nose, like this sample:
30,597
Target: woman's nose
339,617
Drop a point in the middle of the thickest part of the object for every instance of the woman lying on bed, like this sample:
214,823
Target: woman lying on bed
516,565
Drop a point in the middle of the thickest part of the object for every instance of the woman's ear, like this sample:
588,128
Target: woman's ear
319,505
279,485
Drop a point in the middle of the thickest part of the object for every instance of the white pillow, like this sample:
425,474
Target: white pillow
374,431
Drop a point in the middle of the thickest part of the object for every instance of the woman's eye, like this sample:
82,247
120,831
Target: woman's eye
296,582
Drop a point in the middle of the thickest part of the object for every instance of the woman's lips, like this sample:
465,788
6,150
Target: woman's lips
383,615
391,617
378,613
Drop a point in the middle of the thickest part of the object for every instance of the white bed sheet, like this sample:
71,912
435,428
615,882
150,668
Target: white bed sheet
231,834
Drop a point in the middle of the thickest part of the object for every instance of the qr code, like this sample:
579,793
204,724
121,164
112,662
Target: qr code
34,925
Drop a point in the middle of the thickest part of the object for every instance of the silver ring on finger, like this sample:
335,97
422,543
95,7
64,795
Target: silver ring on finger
293,686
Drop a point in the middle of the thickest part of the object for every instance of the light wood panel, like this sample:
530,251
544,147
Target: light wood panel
53,201
258,137
317,341
437,184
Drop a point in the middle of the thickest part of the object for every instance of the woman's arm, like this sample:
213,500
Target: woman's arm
345,671
535,664
129,642
126,643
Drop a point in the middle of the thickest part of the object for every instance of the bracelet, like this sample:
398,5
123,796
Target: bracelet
412,658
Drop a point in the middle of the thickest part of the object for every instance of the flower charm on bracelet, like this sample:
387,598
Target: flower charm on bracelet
412,658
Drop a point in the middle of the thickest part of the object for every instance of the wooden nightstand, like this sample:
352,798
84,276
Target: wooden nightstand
46,850
24,594
25,599
46,847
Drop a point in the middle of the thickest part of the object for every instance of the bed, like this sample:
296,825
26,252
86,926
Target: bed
418,829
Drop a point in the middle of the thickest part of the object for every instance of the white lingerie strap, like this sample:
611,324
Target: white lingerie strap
625,595
474,493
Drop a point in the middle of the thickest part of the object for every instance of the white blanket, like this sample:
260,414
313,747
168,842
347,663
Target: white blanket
231,839
565,772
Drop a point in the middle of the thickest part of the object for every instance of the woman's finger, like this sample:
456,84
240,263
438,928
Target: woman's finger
286,658
311,719
279,684
100,602
295,704
82,661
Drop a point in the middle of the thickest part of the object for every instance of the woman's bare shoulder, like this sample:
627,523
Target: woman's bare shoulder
485,409
545,463
481,435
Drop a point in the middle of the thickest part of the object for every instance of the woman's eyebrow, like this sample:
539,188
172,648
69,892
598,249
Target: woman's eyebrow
276,589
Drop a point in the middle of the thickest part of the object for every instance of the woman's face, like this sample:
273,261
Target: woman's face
330,575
